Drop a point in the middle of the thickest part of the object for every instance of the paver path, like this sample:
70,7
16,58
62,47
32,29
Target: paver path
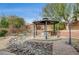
60,47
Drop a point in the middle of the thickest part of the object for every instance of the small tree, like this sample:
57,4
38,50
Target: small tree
16,22
62,12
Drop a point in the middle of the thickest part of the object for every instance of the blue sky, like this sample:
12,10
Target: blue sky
29,11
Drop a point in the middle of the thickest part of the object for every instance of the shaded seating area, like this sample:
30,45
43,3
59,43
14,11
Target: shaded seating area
45,22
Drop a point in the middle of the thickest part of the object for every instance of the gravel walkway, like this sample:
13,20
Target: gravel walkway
61,47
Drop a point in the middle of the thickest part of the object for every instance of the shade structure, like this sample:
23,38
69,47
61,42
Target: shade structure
45,22
42,22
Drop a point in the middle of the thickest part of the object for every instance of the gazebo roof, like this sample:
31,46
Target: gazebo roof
42,22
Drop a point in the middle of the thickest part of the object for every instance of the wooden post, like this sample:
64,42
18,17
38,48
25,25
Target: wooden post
54,29
34,31
45,30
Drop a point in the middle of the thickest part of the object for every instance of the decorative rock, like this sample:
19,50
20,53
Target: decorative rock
31,48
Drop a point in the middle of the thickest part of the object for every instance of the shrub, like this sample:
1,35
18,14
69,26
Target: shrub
3,33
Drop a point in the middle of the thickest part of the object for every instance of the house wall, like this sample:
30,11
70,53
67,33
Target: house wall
65,33
74,31
75,25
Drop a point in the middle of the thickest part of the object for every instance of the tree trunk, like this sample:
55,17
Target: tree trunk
69,27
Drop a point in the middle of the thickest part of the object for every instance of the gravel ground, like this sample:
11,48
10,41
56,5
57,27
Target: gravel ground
6,53
60,47
4,42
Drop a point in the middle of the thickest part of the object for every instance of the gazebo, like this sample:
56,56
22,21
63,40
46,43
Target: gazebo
45,22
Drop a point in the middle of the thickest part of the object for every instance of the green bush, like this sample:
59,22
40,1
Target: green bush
60,26
3,33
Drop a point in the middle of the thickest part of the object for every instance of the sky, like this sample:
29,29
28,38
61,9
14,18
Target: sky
28,11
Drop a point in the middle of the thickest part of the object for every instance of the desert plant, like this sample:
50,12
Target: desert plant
3,33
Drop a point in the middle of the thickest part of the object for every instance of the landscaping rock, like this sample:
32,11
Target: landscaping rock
31,48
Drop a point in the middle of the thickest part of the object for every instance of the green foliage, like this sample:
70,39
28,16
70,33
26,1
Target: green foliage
54,10
4,23
16,22
3,33
11,22
61,11
61,26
